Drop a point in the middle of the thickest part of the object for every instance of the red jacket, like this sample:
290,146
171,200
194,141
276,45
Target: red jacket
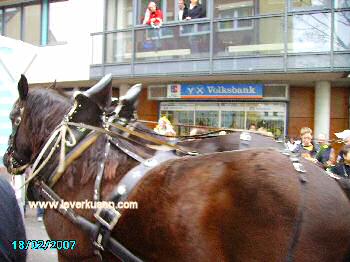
157,14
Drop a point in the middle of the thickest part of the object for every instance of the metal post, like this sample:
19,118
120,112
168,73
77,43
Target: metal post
44,22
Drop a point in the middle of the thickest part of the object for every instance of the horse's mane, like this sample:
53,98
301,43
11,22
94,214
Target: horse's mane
45,109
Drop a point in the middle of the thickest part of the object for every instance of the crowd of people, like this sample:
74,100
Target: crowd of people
318,151
321,152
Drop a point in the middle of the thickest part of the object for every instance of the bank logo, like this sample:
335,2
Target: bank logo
174,91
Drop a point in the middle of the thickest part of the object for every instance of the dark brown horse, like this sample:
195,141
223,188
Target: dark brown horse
245,205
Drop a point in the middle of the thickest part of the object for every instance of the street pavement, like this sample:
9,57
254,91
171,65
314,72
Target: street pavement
35,230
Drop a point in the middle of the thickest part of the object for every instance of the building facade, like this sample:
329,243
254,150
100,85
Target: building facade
297,50
278,64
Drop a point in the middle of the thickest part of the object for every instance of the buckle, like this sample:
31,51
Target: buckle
116,216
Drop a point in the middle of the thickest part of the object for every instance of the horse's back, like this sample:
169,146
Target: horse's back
238,206
11,224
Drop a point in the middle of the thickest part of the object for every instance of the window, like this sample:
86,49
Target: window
342,3
233,9
268,115
308,4
12,22
1,26
237,9
169,9
119,14
243,8
32,23
142,7
58,23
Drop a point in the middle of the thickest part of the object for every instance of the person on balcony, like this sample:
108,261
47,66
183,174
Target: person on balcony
183,10
153,16
196,10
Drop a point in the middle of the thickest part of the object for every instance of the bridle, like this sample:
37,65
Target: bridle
16,165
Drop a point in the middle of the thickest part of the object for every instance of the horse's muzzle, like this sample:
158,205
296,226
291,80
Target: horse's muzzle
13,167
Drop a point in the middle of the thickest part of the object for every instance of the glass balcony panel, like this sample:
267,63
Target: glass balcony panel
342,31
119,14
342,4
175,42
118,47
1,26
97,49
249,37
244,8
309,33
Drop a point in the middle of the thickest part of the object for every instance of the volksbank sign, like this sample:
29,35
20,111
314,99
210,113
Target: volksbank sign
243,91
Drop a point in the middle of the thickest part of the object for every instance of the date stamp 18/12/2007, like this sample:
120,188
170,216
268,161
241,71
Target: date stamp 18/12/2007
44,244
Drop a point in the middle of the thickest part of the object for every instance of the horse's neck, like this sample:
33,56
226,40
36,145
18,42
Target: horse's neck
116,166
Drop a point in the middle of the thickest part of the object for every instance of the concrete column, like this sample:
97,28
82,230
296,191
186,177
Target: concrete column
123,88
322,108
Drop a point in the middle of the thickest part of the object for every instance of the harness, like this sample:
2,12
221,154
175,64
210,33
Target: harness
81,137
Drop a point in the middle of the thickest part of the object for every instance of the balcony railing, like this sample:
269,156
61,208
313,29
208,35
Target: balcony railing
315,41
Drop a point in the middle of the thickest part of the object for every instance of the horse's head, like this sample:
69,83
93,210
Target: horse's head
18,153
37,113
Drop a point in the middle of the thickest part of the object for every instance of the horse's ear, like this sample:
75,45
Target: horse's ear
132,96
53,85
23,87
130,101
101,93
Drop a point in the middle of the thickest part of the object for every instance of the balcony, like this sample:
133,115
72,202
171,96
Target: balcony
279,43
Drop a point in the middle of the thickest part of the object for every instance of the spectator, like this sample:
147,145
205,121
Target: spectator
164,127
342,169
11,225
196,10
198,131
345,136
153,16
307,148
325,151
183,10
252,127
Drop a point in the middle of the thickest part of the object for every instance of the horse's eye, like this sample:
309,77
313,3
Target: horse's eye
18,121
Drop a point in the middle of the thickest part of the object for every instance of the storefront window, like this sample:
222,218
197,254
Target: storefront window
270,116
13,22
119,14
32,24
